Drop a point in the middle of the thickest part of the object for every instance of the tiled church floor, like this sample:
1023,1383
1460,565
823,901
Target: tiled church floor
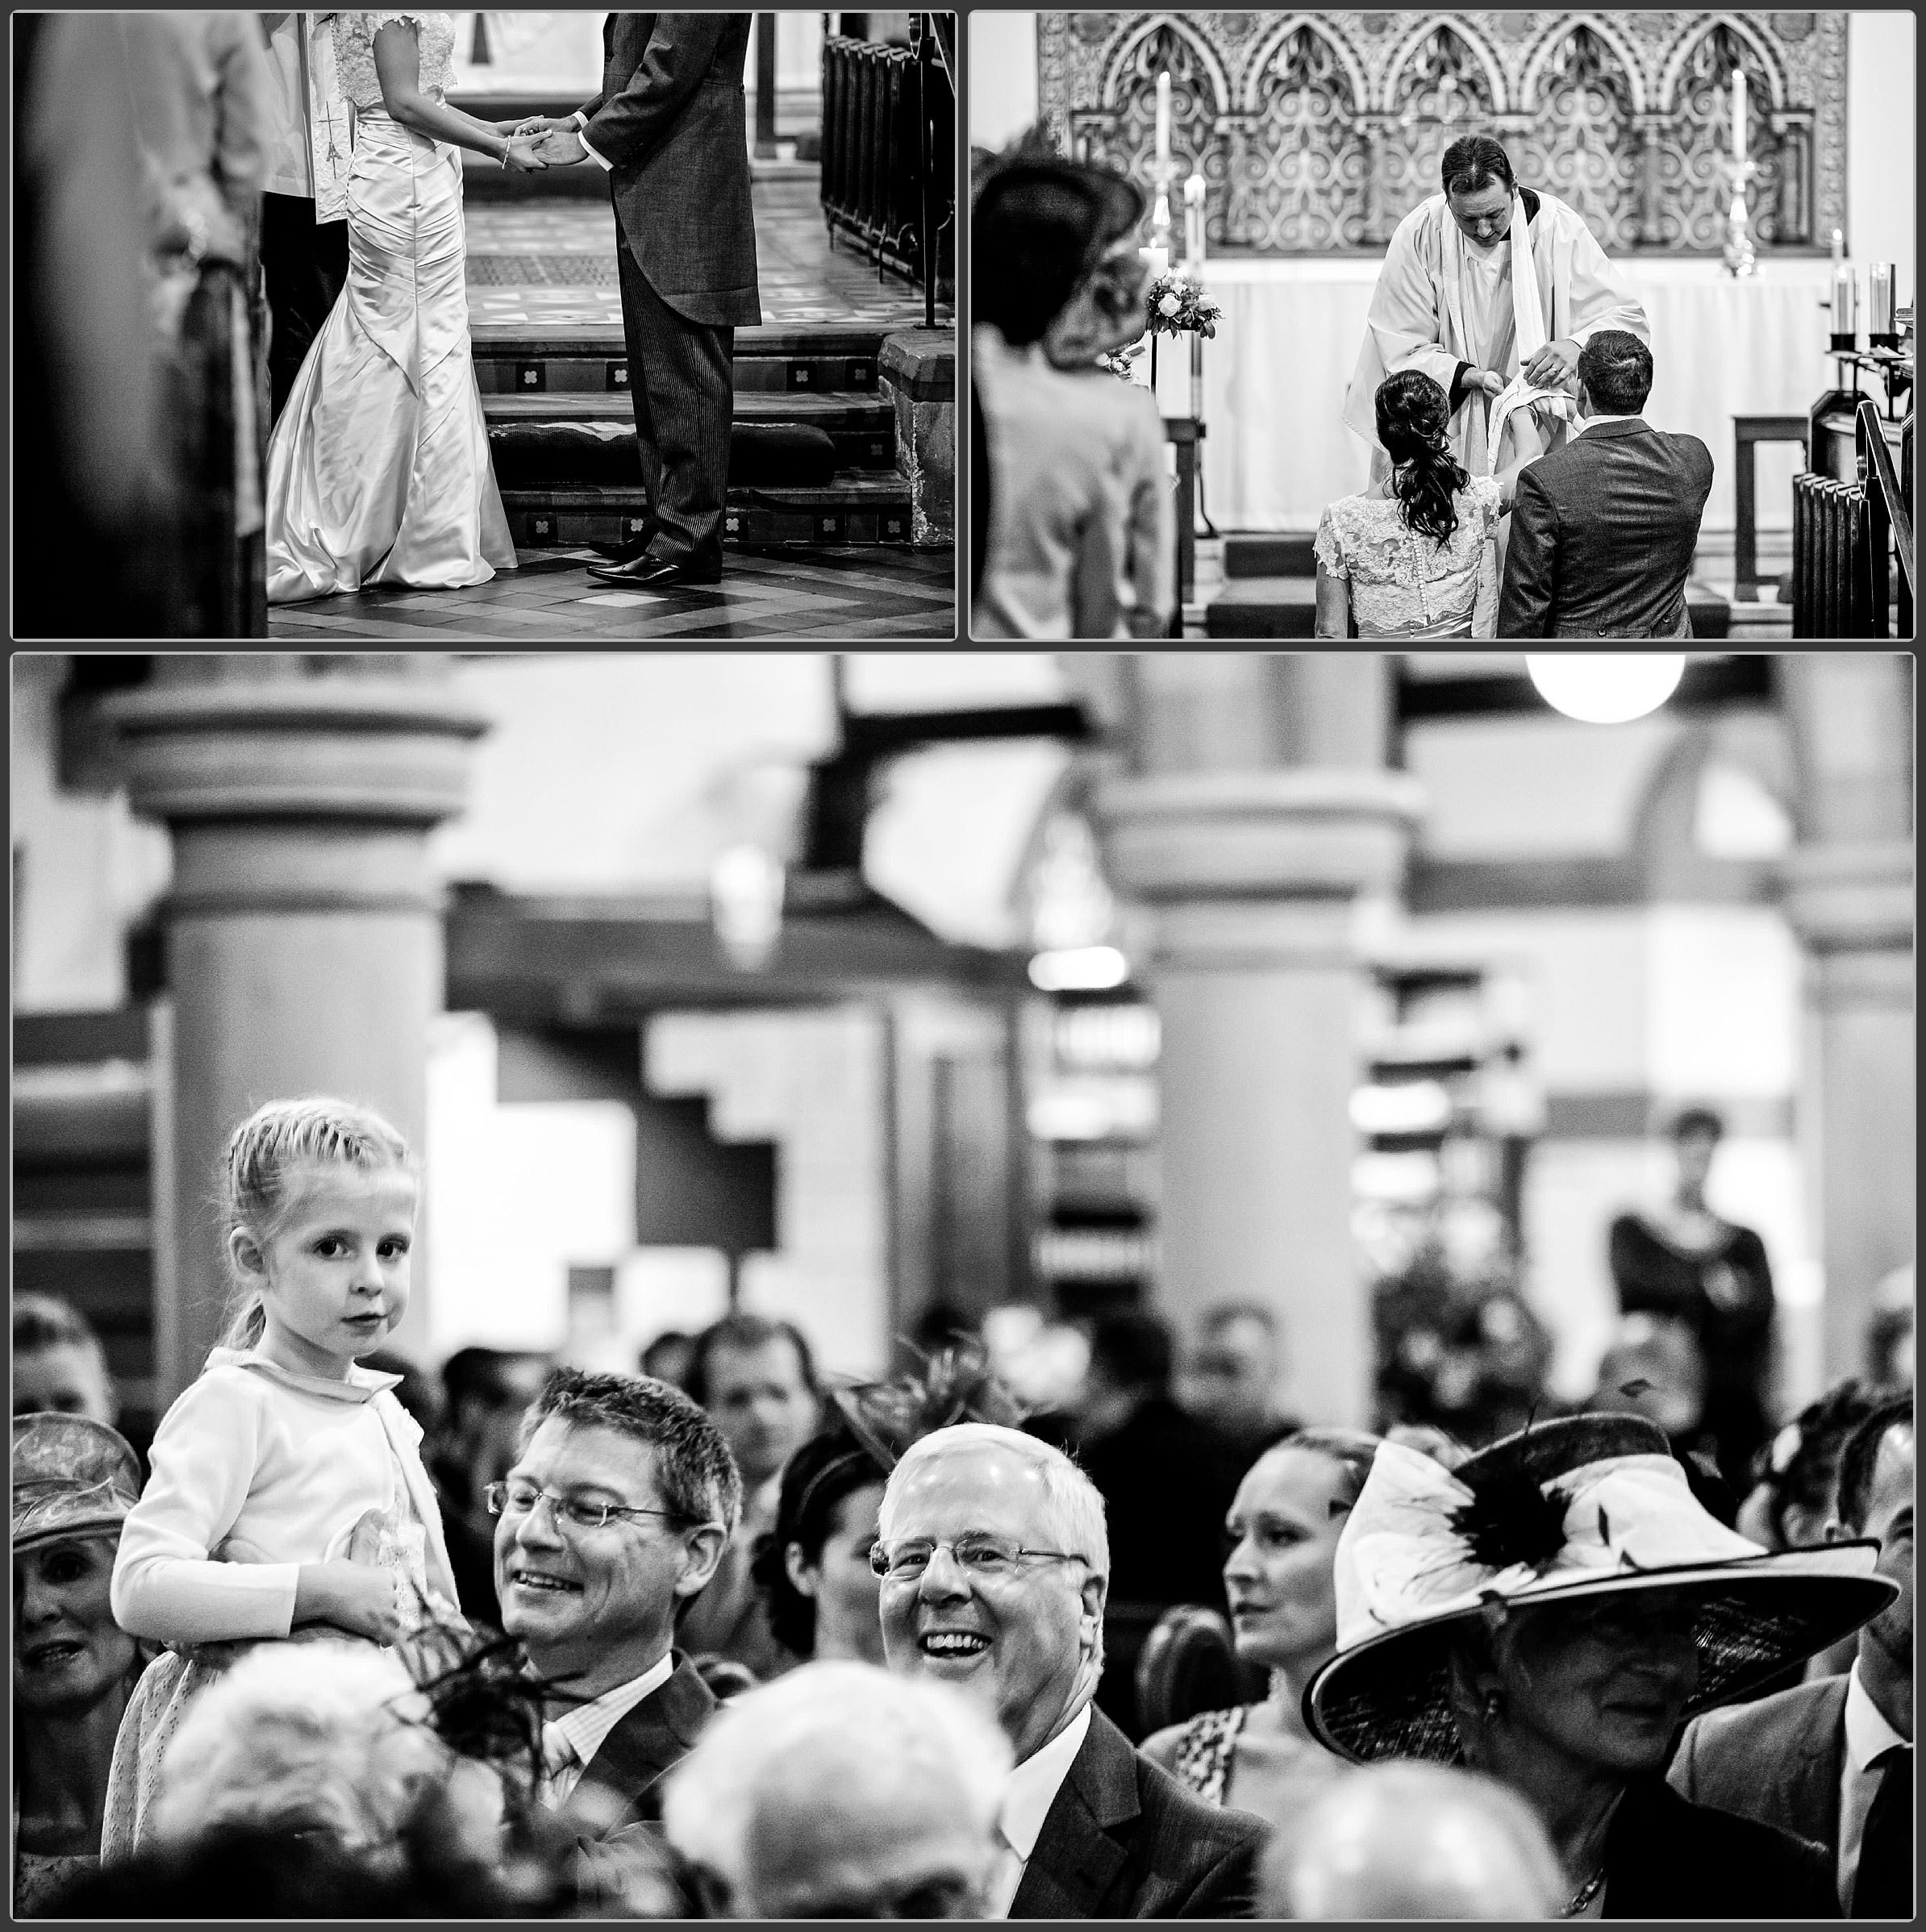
883,592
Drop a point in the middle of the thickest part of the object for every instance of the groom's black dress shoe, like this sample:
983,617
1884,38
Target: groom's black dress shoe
647,572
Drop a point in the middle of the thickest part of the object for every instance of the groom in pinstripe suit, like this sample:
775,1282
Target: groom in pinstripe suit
669,128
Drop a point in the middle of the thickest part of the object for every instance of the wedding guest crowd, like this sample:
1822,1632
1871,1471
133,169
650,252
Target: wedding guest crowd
1532,1677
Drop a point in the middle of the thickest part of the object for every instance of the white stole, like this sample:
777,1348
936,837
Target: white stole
1528,321
330,116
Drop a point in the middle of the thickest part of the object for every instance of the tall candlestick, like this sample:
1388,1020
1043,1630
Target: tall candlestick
1845,323
1738,113
1194,219
1163,120
1882,327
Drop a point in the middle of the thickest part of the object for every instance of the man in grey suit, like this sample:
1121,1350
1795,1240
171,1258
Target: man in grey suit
995,1563
669,128
1603,530
1831,1760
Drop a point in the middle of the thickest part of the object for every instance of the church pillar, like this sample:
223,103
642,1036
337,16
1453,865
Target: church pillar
1253,854
303,925
1850,896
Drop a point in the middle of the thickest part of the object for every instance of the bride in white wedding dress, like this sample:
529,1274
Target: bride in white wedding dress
378,470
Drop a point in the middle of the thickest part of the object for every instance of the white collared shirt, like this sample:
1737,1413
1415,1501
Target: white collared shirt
1591,422
581,122
586,1725
1027,1797
1867,1735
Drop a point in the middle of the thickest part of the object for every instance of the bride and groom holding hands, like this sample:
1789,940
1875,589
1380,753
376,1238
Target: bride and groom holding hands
378,469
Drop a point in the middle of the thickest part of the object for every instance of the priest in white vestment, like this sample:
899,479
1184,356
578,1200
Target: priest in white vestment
1491,290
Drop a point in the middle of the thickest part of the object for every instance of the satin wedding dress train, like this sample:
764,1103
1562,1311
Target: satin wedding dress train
378,471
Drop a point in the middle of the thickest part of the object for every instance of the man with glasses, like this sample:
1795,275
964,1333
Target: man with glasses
616,1508
994,1562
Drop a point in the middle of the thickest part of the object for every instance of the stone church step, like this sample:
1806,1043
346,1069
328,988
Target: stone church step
849,509
861,429
816,359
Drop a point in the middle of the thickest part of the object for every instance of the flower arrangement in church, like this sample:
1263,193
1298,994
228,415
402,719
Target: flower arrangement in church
1177,305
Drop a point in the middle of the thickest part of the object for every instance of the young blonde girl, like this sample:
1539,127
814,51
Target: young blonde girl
288,1497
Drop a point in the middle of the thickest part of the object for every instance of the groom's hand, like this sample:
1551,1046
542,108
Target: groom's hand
560,146
1553,366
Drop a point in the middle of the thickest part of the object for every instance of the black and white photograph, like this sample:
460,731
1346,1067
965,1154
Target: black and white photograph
509,326
1445,325
1168,1284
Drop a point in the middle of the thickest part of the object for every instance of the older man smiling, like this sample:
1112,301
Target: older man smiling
617,1508
995,1563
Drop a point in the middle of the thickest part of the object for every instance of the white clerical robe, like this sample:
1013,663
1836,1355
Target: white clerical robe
1440,301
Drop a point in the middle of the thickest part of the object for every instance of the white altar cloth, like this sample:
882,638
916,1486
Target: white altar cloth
1277,450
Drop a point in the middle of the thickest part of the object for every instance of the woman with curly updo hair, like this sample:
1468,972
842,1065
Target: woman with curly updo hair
1413,557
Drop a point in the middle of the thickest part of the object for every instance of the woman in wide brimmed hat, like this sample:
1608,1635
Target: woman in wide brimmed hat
73,1482
1550,1612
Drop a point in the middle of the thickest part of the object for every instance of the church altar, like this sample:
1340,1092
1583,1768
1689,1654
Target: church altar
1277,450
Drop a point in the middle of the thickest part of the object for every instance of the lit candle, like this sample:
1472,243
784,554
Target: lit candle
1738,113
1193,219
1158,260
1163,120
1838,247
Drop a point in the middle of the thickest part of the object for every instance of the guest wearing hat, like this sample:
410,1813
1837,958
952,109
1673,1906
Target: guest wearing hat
73,1482
1550,1612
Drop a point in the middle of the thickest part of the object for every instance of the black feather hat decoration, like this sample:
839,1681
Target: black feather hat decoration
483,1701
957,1385
1510,1520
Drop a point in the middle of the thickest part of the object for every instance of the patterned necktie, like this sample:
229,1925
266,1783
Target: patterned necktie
1882,1887
558,1757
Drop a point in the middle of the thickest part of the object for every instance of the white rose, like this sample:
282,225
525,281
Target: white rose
1169,305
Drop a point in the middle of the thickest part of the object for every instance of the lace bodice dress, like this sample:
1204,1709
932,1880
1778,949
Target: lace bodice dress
354,52
1403,584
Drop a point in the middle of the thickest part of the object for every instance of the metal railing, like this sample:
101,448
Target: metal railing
888,148
1846,538
1888,524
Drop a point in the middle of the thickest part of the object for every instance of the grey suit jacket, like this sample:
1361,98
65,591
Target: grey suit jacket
1603,533
669,121
1123,1839
1777,1759
647,1742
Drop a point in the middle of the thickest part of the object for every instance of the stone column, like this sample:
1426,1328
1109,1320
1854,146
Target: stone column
303,927
1849,897
1255,878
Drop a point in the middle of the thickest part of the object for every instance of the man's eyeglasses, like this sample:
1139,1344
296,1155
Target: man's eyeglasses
519,1499
982,1557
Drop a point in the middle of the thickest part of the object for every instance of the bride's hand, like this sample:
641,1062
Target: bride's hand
536,123
523,156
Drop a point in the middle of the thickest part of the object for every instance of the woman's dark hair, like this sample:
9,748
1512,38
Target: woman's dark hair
1037,229
1412,415
815,1480
1801,1465
1474,161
